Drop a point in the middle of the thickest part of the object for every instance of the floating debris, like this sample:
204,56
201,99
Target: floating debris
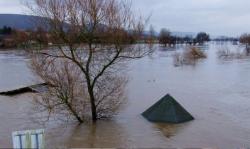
38,88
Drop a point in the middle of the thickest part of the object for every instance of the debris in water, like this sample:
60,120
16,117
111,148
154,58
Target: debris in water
38,88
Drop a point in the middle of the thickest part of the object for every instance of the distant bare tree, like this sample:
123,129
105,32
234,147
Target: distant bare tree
95,37
21,38
165,37
40,36
245,39
202,37
152,35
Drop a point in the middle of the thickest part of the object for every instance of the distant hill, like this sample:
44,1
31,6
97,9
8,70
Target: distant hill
18,21
24,22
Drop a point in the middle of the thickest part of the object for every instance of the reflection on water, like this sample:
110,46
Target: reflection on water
169,130
28,139
215,91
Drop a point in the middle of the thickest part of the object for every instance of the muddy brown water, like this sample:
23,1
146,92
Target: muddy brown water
216,92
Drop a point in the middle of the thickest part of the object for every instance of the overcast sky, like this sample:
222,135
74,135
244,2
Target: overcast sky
217,17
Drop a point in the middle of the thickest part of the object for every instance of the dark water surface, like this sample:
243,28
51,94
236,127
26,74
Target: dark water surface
216,91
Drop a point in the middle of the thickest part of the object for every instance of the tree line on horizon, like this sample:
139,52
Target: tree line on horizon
11,37
166,38
6,30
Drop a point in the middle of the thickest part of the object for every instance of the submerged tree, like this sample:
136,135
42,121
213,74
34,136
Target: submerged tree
152,35
245,39
94,37
67,97
165,37
40,36
202,37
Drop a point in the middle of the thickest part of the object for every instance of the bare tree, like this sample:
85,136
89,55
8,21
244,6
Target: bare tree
245,39
40,36
165,37
152,35
202,37
21,38
67,95
94,36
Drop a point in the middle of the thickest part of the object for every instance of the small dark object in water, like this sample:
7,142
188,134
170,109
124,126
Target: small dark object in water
167,110
33,89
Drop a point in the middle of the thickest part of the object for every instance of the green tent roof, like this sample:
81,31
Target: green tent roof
167,110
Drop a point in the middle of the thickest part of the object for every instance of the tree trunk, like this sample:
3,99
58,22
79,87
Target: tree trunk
93,106
92,101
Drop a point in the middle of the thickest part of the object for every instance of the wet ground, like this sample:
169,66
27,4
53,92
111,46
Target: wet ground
215,91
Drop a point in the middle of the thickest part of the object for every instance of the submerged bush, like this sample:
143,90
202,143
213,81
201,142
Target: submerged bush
226,53
189,56
194,53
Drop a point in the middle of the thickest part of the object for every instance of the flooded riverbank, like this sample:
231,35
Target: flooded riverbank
215,91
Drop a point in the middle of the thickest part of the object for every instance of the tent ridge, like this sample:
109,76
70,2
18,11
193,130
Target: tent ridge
167,110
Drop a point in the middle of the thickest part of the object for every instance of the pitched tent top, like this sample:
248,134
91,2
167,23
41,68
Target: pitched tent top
167,110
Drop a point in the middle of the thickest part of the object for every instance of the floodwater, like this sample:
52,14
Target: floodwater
215,91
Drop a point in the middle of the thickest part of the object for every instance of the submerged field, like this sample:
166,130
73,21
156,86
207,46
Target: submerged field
214,90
